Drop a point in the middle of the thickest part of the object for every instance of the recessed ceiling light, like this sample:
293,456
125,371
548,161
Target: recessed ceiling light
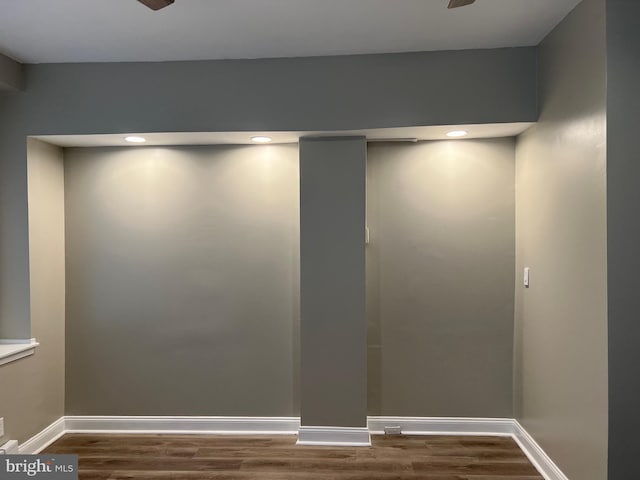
457,133
260,139
133,139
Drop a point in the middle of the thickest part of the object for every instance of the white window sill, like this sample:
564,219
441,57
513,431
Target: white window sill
12,350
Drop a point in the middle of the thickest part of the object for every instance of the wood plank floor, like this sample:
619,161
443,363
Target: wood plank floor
195,457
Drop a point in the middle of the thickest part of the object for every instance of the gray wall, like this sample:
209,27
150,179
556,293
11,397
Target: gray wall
623,172
32,389
283,94
322,93
10,74
182,280
440,278
332,281
561,320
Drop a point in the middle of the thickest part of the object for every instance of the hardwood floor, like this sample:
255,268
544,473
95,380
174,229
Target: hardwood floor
195,457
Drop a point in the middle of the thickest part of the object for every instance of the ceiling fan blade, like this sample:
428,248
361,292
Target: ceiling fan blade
459,3
156,4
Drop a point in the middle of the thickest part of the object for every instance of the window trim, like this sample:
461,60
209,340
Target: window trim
12,350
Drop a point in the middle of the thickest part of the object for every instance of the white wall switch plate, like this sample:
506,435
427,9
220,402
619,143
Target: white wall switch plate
1,427
526,277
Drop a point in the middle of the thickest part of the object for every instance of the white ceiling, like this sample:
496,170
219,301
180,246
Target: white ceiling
50,31
495,130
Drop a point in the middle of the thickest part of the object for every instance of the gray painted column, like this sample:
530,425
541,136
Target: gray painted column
332,284
10,74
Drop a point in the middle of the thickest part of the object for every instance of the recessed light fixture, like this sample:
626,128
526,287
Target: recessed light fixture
261,139
134,139
457,133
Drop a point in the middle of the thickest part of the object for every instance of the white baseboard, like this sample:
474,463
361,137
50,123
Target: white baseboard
543,463
42,440
337,436
443,425
184,425
10,448
341,436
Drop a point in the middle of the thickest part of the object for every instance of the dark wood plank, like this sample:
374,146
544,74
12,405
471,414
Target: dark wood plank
472,466
159,463
126,450
277,452
325,465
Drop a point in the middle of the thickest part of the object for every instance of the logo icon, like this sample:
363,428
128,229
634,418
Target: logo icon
50,467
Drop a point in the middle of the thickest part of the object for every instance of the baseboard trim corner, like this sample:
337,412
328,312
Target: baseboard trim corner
334,436
42,440
536,455
10,448
474,426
